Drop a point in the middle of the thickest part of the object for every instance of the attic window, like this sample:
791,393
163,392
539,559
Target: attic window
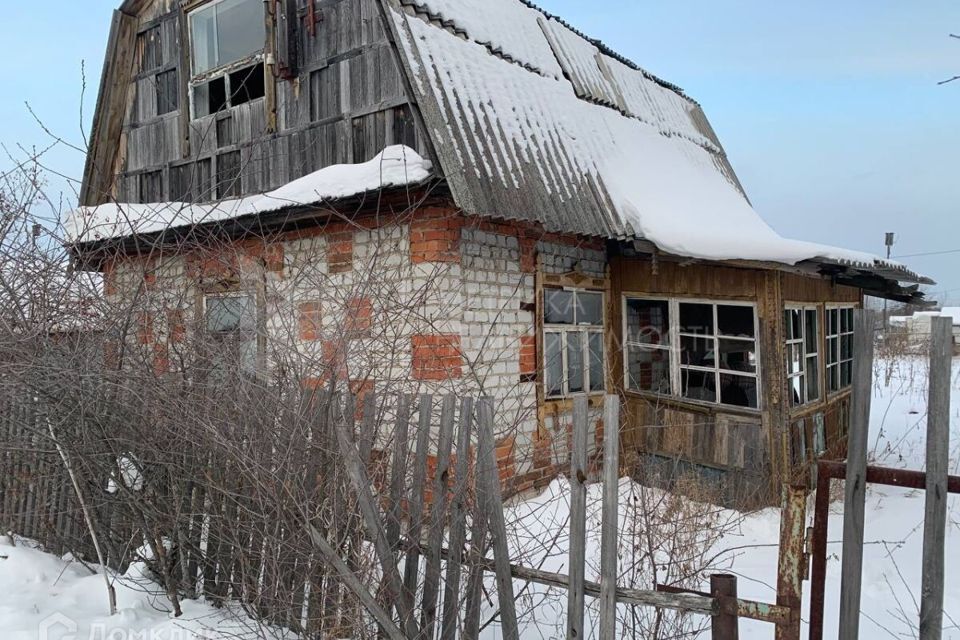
227,41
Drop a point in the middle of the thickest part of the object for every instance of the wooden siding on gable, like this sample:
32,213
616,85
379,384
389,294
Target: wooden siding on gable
344,104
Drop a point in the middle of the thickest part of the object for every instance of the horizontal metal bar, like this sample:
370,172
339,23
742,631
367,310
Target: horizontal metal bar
887,476
772,613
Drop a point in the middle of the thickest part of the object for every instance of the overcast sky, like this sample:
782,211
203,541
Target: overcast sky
830,112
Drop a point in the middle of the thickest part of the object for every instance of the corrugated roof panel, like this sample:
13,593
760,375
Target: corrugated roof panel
502,25
671,113
580,61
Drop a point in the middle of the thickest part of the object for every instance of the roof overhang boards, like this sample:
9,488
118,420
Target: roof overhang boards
882,281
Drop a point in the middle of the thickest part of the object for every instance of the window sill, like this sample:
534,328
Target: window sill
818,406
673,402
226,111
557,406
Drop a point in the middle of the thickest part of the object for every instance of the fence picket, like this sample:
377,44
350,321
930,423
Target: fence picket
610,524
578,520
371,516
938,468
458,512
855,498
411,565
438,509
493,506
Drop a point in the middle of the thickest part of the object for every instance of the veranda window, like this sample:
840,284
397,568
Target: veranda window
803,354
227,41
839,348
573,342
701,351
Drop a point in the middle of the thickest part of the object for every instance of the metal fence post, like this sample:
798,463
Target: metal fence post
856,484
938,463
725,625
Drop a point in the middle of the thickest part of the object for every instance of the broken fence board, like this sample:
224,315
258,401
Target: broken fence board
493,506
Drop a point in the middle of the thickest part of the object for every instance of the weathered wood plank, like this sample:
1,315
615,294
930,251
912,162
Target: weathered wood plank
578,520
438,510
938,468
610,524
855,498
411,565
372,520
493,506
458,512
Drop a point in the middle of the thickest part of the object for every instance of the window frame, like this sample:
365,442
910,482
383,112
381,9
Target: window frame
805,357
838,338
675,350
249,336
564,330
224,71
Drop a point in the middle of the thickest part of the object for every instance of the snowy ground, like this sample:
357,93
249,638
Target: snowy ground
44,597
894,522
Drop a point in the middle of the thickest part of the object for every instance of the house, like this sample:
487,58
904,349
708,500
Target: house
575,217
917,327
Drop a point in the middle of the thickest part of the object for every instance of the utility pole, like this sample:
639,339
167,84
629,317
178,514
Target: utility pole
891,238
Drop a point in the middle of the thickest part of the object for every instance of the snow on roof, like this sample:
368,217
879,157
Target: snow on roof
611,153
395,166
503,25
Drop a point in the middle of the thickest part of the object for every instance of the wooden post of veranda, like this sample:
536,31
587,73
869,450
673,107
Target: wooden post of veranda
856,483
938,462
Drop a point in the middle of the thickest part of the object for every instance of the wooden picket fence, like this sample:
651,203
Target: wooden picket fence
428,505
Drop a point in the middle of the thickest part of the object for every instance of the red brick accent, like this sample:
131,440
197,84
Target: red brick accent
528,254
229,261
528,355
145,328
161,359
109,279
176,326
335,359
435,236
340,251
359,318
437,357
505,458
360,390
310,321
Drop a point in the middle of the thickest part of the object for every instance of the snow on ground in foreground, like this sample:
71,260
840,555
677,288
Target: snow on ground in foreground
46,598
894,532
35,586
894,521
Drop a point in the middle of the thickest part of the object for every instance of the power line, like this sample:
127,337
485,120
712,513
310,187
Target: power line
930,253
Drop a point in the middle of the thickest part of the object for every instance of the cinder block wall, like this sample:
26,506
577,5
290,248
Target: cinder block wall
437,303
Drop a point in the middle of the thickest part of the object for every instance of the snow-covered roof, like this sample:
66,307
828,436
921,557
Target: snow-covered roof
396,166
601,148
532,121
